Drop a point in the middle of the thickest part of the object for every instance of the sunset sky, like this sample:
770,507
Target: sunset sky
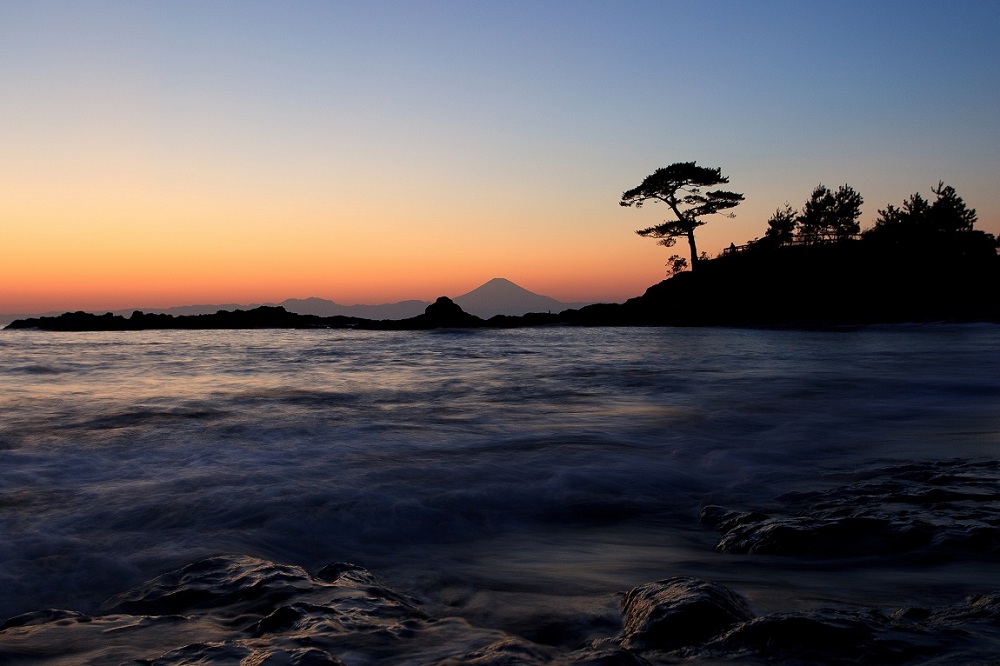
169,153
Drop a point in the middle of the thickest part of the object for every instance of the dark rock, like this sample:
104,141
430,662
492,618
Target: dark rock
618,657
334,572
443,308
445,313
43,617
229,653
507,651
822,637
215,582
242,610
281,619
442,313
944,508
205,653
849,536
983,608
675,612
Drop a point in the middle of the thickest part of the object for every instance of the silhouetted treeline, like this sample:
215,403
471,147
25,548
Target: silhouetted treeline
921,262
853,282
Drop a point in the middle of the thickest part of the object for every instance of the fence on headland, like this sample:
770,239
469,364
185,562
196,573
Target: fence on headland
797,240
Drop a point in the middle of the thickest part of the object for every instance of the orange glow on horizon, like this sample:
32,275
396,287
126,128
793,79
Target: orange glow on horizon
120,240
78,249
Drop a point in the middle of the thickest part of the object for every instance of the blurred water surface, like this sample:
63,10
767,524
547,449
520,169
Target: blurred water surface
508,474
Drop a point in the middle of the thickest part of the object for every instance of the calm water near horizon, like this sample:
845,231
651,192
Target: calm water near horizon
511,477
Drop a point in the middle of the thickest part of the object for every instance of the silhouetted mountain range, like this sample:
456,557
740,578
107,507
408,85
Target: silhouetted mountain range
322,307
499,296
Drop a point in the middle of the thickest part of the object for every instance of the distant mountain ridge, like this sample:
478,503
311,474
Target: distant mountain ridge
498,296
322,307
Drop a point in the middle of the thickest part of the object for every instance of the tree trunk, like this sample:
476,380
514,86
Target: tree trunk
694,250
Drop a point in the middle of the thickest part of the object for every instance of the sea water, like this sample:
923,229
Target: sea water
512,477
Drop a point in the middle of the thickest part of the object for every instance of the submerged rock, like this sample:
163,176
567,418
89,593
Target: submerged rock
820,637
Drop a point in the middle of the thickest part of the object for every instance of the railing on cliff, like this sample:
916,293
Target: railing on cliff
798,240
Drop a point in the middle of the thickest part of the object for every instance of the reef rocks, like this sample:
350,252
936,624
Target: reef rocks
694,620
242,610
943,508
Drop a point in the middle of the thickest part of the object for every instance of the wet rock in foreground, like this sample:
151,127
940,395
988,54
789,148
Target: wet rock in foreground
676,612
827,637
694,620
242,610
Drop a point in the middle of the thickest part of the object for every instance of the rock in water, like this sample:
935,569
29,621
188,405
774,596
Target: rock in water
446,313
946,508
677,612
213,583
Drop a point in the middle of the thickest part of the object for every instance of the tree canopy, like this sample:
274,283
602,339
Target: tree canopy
681,187
829,215
947,214
781,226
944,227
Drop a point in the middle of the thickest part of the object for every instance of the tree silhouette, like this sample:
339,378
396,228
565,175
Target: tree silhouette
948,214
830,215
680,187
676,264
945,226
781,226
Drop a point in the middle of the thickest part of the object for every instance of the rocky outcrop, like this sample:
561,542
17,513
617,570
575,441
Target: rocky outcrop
445,313
678,612
942,508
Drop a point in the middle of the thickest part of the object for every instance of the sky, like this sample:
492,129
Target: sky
201,151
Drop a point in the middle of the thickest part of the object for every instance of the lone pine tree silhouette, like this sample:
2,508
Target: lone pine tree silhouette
679,186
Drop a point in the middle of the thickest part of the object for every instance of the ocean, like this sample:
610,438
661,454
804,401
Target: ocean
177,496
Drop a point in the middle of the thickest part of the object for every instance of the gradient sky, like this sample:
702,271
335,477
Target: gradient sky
168,153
